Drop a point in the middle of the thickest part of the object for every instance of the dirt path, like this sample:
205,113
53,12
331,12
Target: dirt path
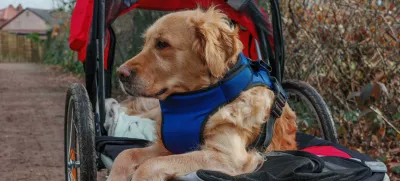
32,100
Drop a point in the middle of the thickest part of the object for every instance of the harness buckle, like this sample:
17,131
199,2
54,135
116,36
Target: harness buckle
260,64
280,101
280,98
266,66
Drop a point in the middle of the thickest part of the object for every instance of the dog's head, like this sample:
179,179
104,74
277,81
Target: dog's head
183,51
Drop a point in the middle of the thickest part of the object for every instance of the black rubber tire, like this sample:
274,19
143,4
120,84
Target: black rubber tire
325,119
78,106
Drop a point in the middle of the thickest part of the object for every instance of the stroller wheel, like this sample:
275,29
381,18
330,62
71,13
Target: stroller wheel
79,148
310,107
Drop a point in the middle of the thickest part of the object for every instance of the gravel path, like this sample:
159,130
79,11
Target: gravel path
32,98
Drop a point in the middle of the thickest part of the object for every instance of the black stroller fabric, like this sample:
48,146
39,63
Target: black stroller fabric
299,166
112,146
278,166
304,166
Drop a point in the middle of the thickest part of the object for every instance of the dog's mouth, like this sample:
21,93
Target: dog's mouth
159,93
129,89
136,91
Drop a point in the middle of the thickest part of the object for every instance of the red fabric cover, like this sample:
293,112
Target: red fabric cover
83,12
80,24
81,20
326,151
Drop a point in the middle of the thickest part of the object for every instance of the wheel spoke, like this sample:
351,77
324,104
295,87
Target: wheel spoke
72,162
72,172
76,129
70,132
69,175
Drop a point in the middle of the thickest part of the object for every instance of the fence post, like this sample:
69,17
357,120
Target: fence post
13,47
41,53
5,53
20,48
29,49
2,46
35,51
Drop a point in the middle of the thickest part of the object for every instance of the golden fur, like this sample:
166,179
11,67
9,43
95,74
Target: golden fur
200,48
143,107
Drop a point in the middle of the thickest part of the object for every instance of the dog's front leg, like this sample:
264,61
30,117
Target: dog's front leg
167,167
129,160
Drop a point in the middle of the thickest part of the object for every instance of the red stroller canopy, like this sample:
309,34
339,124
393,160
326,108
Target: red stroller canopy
83,13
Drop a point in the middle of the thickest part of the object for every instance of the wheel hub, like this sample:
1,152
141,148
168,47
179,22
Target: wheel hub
73,164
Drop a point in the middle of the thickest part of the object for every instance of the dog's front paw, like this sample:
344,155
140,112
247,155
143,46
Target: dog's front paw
151,172
122,174
118,178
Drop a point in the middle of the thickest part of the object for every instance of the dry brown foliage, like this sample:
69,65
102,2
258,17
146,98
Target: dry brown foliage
349,50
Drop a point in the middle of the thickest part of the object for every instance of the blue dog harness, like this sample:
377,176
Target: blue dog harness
184,115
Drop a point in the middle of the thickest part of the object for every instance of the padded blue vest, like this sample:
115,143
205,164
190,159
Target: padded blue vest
184,115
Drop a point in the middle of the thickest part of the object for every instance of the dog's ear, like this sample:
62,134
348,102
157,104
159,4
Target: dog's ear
216,41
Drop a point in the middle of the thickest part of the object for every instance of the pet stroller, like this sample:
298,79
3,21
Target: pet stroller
88,149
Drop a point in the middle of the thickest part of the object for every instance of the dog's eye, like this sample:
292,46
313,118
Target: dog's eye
161,45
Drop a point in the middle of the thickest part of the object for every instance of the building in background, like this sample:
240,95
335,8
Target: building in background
8,13
32,20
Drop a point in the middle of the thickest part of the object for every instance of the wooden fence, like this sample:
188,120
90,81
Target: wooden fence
18,48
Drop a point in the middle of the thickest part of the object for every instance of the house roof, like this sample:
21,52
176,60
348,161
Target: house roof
45,14
51,17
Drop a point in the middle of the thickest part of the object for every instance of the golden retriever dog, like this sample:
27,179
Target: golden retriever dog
186,51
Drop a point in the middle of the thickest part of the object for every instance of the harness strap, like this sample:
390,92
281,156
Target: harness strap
267,131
